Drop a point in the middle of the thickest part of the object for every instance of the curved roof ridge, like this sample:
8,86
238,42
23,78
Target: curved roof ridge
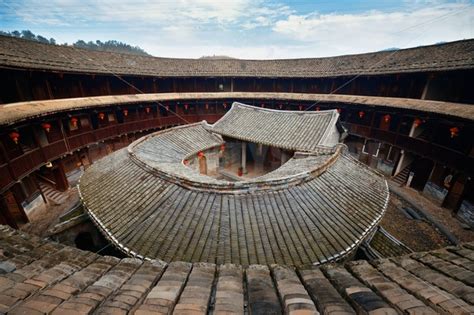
18,53
277,128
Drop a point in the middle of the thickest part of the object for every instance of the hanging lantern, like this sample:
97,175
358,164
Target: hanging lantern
225,105
200,154
125,112
185,162
300,107
387,118
318,108
207,106
339,110
454,132
361,114
417,122
15,136
222,148
74,121
102,116
46,127
263,105
147,110
186,106
240,171
280,106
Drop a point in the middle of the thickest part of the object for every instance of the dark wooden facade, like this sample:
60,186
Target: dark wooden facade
28,85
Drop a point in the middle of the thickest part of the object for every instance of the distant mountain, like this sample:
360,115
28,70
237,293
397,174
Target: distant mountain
390,49
110,45
216,57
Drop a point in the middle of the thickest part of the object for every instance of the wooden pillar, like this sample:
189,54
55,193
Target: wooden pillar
5,215
60,177
48,87
244,158
14,199
38,186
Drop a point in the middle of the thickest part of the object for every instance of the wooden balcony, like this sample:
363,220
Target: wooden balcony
32,160
417,146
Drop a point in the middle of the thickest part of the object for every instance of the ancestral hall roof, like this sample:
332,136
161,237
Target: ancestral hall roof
38,276
15,112
318,208
21,53
290,130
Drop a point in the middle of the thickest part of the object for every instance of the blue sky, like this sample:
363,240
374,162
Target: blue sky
252,29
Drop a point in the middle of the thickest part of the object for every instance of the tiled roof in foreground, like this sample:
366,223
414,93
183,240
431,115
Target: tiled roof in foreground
150,205
41,277
290,130
21,53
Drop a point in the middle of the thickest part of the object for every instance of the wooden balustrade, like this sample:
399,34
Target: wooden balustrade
5,177
54,150
420,147
27,162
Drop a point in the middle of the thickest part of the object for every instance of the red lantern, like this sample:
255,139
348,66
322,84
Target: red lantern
300,107
454,132
102,116
167,108
222,147
361,114
46,127
263,105
280,106
147,110
207,106
318,108
125,112
185,162
417,122
186,106
339,110
240,171
225,105
387,118
74,121
200,154
15,136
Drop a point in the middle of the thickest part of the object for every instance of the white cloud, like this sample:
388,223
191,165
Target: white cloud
254,29
375,30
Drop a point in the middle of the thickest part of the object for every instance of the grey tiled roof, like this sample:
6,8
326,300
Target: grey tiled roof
317,208
38,277
291,130
32,55
320,219
16,112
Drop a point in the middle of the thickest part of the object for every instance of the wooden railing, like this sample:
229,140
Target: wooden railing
32,160
421,147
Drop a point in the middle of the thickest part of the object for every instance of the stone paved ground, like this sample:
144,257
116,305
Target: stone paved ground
47,215
442,215
419,235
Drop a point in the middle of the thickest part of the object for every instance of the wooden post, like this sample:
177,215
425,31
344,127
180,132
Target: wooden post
60,177
38,186
5,213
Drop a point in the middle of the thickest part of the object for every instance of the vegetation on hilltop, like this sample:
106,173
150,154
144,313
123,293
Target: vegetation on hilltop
110,45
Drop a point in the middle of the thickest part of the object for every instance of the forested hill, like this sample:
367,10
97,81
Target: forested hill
110,45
